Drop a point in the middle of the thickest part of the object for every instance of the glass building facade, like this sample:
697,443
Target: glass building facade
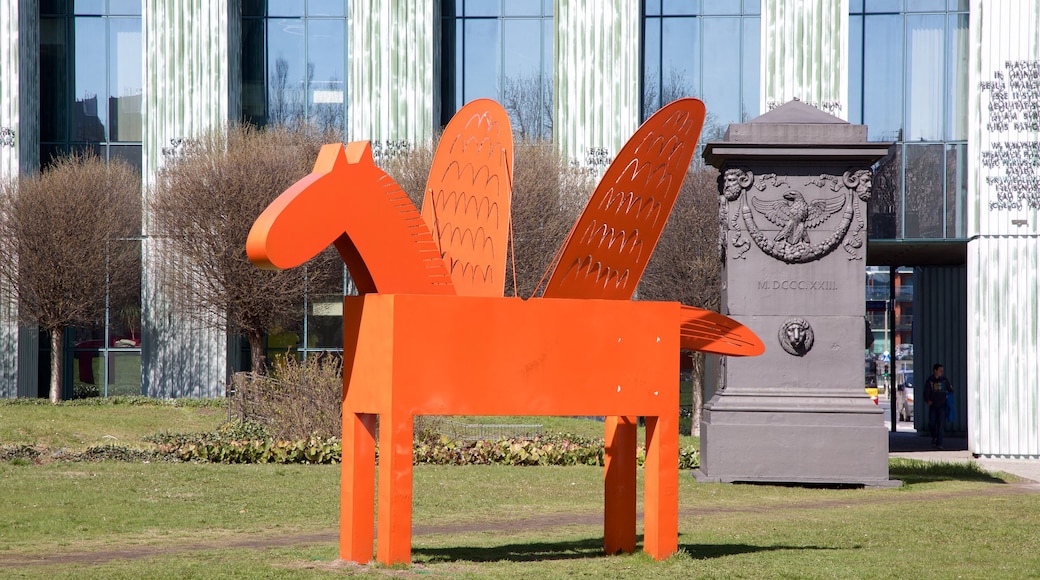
907,72
709,50
908,82
501,50
90,78
294,62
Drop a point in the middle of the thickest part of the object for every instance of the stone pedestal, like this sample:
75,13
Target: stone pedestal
793,194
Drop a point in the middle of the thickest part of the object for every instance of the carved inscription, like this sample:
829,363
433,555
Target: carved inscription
1013,164
797,285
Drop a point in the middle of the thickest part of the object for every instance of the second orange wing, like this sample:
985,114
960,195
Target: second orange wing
608,249
468,195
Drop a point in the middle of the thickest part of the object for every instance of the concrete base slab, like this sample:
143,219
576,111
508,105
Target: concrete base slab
809,448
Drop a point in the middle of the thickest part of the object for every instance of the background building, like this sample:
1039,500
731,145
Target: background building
954,83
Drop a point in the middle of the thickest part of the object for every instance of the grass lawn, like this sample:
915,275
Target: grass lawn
181,520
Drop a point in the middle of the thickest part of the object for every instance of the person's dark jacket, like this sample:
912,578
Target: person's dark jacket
935,390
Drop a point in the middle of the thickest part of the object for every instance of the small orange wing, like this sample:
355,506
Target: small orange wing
467,199
707,331
608,249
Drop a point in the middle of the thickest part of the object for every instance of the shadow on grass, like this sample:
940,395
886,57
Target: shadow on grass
587,548
525,552
711,551
912,471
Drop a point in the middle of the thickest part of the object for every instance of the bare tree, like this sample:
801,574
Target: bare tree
548,196
62,244
686,265
528,99
203,206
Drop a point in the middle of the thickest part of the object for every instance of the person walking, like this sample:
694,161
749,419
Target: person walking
936,390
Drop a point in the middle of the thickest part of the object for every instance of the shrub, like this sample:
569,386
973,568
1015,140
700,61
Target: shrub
296,401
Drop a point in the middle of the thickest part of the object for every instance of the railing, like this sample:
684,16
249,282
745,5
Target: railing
489,431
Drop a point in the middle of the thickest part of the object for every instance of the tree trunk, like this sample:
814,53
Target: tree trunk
697,372
57,354
256,353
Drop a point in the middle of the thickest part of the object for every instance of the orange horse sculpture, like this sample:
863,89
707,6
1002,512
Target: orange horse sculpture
432,334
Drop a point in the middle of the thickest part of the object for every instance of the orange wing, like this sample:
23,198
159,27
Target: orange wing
608,249
350,202
707,331
467,200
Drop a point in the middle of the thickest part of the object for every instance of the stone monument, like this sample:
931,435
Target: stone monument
793,190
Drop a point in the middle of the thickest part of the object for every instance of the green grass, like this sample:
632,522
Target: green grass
207,521
124,520
76,425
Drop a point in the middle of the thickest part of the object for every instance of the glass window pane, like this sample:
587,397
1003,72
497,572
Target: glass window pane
326,90
652,7
286,67
522,76
884,5
125,86
124,374
89,6
960,5
923,206
284,8
651,66
253,97
855,108
53,7
523,8
753,6
129,153
855,6
124,318
885,202
482,52
326,8
124,7
721,67
253,8
727,7
883,77
956,190
54,100
680,74
925,56
482,8
681,7
49,153
925,5
325,321
957,77
751,78
89,117
87,374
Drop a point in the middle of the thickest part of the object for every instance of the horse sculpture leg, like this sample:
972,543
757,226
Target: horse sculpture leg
661,487
619,479
357,487
394,528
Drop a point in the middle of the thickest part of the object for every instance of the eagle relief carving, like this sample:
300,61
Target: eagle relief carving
798,215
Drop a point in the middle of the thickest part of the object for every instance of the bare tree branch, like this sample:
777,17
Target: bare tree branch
203,207
63,244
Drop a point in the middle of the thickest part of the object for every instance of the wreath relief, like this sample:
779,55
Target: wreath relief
796,216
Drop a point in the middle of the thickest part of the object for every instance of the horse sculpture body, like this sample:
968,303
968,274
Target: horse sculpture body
432,334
